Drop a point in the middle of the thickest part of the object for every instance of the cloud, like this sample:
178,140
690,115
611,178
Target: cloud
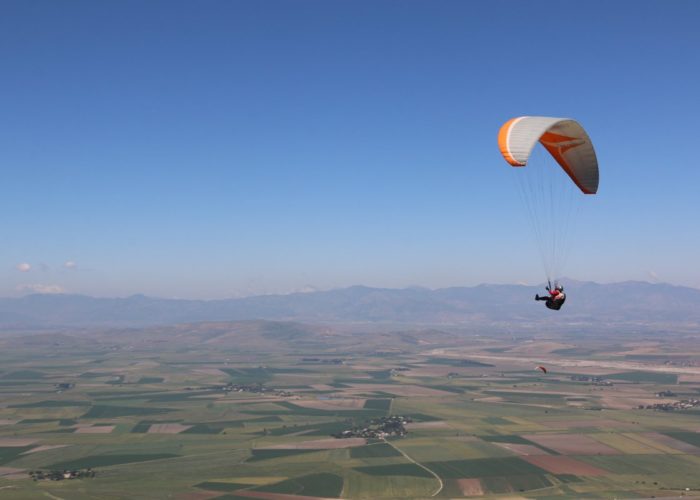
23,267
39,288
69,264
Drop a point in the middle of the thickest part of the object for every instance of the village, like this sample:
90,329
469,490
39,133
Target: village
683,404
593,380
251,388
60,475
379,428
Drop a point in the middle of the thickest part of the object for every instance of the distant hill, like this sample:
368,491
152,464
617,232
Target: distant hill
587,302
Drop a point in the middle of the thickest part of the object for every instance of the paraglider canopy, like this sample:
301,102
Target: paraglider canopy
563,138
541,368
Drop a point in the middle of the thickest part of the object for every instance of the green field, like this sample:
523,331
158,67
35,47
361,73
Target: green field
378,450
10,453
105,460
653,377
692,438
51,404
484,467
394,470
104,411
315,485
378,404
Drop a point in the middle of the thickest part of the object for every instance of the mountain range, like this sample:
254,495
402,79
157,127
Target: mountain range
587,303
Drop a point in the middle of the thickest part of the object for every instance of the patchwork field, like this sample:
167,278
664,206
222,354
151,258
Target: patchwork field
250,410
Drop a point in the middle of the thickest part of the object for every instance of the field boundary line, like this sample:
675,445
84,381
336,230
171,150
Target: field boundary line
441,485
47,494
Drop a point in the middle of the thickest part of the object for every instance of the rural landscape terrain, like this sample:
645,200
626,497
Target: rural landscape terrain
294,410
357,250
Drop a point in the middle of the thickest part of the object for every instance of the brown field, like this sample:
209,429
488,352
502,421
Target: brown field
9,471
623,401
208,371
533,392
642,348
672,443
319,444
437,424
564,465
601,424
323,387
365,368
585,370
539,348
470,487
97,429
442,371
522,449
249,400
332,404
489,399
572,444
631,444
167,428
4,421
17,441
425,371
497,378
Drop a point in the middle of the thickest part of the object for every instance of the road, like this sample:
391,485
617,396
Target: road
440,485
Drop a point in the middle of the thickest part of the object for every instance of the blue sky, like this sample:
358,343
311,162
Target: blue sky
224,148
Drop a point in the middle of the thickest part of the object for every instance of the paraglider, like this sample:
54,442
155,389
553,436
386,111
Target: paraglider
564,167
555,299
542,369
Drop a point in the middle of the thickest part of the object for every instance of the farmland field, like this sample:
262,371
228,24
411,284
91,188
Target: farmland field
257,410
